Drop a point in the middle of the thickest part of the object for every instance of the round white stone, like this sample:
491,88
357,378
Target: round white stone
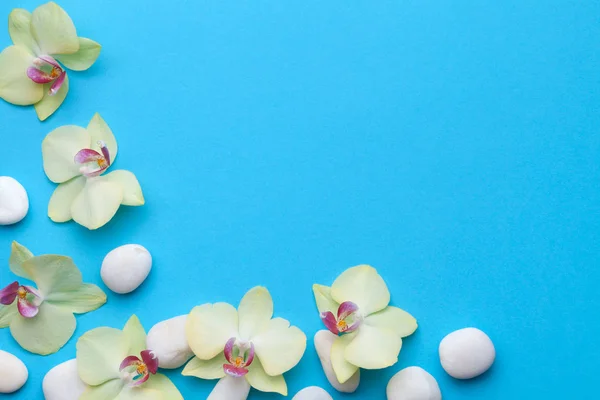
230,388
13,373
168,341
125,268
323,342
467,353
312,393
63,383
413,383
14,202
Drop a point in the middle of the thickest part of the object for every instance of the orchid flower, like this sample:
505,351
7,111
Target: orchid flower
356,308
41,319
31,68
243,347
76,158
116,364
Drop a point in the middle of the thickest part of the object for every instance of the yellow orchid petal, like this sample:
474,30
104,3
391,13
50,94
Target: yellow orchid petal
342,368
15,85
209,327
393,319
99,354
324,300
255,311
280,346
363,286
59,149
19,28
260,380
53,30
97,203
50,103
59,207
373,348
206,369
132,191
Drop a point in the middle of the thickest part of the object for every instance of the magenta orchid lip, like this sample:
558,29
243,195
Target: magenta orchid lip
348,319
93,163
239,358
137,370
46,69
22,294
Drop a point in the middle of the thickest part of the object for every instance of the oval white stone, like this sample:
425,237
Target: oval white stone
466,353
125,268
312,393
168,341
13,373
413,383
230,388
63,383
14,202
323,342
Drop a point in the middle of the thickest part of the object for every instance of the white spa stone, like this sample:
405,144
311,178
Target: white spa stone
230,388
466,353
413,383
312,393
323,342
63,383
125,268
168,341
13,373
14,202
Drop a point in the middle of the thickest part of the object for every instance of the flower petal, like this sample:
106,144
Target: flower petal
206,369
19,28
99,354
39,76
128,362
151,360
209,327
18,255
260,380
132,191
87,297
135,334
59,207
88,161
9,293
394,319
346,308
53,273
101,132
236,372
373,348
59,149
255,312
84,58
53,30
342,368
107,390
27,309
45,333
250,355
363,286
158,387
84,156
15,85
57,84
97,203
52,99
7,313
230,388
280,346
228,352
323,299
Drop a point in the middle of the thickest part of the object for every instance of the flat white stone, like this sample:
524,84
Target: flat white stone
125,268
312,393
230,388
13,373
323,342
63,383
413,383
168,341
466,353
14,202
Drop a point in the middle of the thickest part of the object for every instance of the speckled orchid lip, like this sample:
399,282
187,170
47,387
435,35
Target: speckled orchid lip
46,69
348,318
239,357
14,291
93,163
136,371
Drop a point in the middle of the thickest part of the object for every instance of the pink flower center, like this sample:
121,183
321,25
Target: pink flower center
46,69
348,318
136,371
239,357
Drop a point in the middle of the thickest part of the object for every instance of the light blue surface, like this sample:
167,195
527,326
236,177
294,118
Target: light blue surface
452,145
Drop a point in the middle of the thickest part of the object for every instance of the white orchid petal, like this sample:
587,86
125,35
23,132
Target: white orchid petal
363,286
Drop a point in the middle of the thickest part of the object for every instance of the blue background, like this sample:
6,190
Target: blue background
453,145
